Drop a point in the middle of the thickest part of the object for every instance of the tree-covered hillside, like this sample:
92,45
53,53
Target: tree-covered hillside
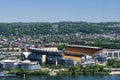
7,29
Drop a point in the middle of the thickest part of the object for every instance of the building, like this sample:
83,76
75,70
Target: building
11,51
26,64
106,54
111,53
2,56
72,54
24,55
7,64
45,55
79,53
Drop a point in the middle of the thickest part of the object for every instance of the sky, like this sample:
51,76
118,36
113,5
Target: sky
59,10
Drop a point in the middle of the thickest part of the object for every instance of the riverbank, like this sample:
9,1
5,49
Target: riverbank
81,77
64,70
3,74
114,72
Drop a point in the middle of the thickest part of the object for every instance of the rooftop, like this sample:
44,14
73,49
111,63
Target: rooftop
84,46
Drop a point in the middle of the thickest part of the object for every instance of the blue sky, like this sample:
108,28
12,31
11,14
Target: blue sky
59,10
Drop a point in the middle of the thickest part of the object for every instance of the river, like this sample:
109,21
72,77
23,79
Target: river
98,77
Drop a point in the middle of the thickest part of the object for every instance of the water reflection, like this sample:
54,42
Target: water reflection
97,77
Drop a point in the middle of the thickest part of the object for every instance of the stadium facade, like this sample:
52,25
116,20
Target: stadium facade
71,55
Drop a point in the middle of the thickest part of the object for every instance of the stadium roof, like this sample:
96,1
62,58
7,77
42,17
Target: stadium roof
84,46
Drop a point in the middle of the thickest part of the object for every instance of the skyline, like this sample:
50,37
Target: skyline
59,10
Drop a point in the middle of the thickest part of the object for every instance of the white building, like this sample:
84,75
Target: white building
111,53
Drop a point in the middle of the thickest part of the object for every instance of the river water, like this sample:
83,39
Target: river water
98,77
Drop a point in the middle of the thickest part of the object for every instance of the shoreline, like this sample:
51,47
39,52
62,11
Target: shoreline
114,72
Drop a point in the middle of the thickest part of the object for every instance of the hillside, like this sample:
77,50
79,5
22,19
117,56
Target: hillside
7,29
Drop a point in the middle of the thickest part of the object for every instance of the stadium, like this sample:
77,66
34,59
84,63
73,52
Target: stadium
72,54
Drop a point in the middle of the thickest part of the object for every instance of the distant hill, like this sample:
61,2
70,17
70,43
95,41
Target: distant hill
7,29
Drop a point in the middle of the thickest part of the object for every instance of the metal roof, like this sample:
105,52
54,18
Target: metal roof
84,46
